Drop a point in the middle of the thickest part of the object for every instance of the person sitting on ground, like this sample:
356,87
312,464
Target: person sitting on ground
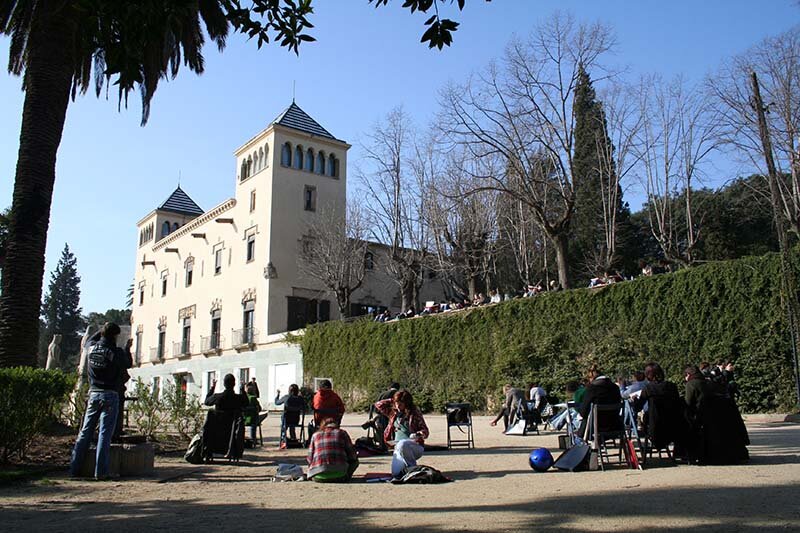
293,403
514,402
379,421
494,297
227,400
601,391
327,403
664,421
406,427
252,413
331,455
554,286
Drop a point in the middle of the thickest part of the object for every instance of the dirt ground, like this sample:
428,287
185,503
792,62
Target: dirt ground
494,490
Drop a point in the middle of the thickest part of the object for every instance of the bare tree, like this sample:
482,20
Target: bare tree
679,131
463,224
520,112
333,252
394,200
776,60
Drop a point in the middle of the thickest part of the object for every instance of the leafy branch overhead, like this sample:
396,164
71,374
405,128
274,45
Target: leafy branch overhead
440,31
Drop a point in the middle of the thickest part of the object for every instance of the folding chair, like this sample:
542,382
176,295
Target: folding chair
459,415
293,418
606,423
223,434
259,417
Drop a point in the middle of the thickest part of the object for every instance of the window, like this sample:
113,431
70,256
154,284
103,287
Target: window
256,162
138,353
249,166
252,200
310,160
186,337
216,327
247,322
286,155
211,377
251,247
298,157
320,163
164,278
165,228
310,198
175,226
243,171
189,272
141,295
162,339
156,387
265,161
244,376
218,261
369,261
304,311
331,166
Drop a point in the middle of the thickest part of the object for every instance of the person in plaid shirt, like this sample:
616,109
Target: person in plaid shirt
331,455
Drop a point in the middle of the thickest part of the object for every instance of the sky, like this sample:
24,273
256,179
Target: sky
366,61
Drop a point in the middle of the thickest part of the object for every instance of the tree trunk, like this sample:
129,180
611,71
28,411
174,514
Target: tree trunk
48,78
560,243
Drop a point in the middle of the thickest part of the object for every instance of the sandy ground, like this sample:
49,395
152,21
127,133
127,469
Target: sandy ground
494,490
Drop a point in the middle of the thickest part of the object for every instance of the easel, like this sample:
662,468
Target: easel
627,434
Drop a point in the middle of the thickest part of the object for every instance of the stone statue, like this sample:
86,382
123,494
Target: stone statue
54,353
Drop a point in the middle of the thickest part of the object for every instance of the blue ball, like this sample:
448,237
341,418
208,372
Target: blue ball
541,459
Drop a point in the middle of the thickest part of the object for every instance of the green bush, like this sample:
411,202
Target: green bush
30,398
148,411
718,311
184,411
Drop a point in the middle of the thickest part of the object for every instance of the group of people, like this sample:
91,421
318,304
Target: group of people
704,424
516,406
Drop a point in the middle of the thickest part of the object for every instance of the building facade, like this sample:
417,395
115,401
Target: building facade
216,290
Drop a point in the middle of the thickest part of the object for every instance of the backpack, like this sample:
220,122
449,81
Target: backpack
458,416
422,475
194,453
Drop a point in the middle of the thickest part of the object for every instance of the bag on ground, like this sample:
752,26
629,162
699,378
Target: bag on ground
194,453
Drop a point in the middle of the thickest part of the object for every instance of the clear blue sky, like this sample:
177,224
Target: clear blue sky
111,172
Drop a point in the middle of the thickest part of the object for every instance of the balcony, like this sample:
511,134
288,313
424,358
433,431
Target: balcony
245,338
156,356
181,349
212,344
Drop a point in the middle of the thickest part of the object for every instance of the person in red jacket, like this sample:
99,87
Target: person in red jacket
327,403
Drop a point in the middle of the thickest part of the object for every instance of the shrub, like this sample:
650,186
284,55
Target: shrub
29,399
147,412
183,411
718,311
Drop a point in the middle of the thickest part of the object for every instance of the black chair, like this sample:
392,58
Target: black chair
294,417
459,415
223,434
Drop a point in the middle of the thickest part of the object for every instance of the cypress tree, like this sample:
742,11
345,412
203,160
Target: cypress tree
590,171
61,311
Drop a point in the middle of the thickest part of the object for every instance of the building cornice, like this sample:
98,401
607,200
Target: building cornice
194,224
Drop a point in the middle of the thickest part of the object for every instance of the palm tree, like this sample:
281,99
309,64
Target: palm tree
60,47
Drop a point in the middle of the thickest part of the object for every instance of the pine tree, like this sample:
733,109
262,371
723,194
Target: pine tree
61,311
590,170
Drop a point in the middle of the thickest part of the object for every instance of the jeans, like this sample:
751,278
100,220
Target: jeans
102,406
406,453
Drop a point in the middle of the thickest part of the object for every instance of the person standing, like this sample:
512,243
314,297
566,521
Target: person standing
515,401
107,365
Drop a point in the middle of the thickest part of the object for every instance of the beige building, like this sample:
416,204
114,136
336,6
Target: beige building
215,290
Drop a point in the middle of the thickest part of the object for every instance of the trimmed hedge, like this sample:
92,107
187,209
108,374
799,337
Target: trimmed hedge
718,311
29,399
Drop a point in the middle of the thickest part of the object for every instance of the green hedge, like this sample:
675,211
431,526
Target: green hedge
30,398
722,310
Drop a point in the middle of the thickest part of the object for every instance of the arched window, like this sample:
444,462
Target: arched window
260,158
243,171
286,155
256,163
369,261
321,162
266,155
298,157
165,228
310,160
175,226
249,166
336,168
331,165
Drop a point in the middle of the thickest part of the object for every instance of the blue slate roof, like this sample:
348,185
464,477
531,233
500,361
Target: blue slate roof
297,119
179,202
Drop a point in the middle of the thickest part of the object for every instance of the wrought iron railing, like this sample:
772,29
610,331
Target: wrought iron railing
212,343
181,349
244,337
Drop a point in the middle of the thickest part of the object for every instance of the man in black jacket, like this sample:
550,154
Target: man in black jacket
227,400
107,365
601,391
